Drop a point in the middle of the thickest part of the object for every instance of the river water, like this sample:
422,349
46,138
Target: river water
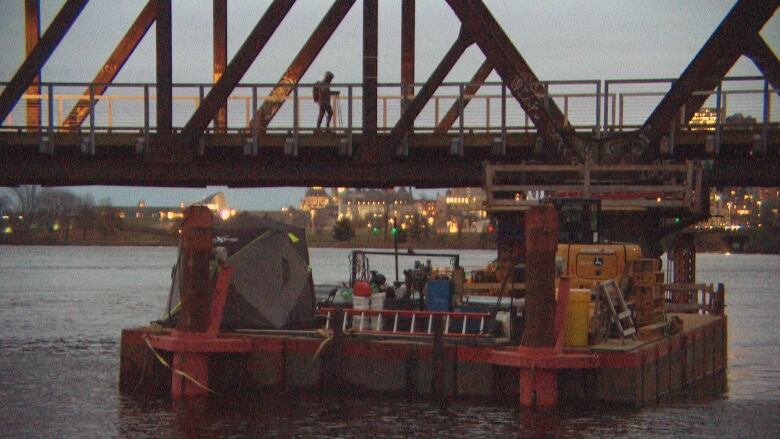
62,310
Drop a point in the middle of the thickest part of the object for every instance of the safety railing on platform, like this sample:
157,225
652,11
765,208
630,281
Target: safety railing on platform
619,187
695,298
409,322
589,106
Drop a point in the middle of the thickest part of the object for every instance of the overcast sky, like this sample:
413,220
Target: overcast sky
565,39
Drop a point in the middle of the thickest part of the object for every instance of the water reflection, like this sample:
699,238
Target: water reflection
62,310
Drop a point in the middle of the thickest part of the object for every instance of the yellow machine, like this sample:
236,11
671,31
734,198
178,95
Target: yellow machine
589,264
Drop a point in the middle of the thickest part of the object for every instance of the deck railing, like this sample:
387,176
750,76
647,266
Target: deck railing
695,298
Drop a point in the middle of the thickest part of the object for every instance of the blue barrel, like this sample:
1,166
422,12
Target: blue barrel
439,295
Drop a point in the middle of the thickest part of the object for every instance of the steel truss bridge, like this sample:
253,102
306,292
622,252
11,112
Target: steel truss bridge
427,134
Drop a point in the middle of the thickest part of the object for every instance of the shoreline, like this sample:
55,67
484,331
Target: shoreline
137,237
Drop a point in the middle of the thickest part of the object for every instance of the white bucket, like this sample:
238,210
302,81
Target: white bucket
378,301
360,303
377,304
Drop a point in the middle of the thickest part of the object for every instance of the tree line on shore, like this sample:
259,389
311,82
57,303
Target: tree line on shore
32,214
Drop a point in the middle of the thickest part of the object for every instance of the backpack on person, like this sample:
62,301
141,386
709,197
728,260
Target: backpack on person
315,92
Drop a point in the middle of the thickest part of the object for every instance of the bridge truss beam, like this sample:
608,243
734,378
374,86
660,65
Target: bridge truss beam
308,53
417,104
407,49
516,73
219,59
369,152
32,34
765,60
113,64
238,66
31,67
708,67
468,92
165,149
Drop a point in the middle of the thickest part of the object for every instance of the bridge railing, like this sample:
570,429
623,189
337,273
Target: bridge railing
612,105
132,106
747,101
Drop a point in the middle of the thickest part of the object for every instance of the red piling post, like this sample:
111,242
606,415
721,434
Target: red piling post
196,236
541,232
191,369
539,387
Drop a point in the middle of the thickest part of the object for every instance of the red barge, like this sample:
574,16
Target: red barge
449,354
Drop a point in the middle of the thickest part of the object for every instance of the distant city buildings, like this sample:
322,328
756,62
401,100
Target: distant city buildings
167,215
463,210
743,208
460,209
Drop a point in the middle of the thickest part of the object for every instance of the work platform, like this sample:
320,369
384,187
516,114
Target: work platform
635,373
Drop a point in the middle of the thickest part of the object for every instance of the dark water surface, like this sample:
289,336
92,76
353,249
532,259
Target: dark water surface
62,310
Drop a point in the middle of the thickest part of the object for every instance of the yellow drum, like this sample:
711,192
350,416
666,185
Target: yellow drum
576,327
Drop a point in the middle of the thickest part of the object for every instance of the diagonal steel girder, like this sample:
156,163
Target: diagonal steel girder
31,66
308,53
417,104
468,92
238,66
114,63
514,71
32,33
766,61
709,66
219,58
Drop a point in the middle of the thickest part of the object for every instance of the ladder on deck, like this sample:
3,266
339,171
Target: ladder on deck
610,291
408,322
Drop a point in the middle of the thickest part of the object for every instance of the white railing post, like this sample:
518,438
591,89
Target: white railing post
598,109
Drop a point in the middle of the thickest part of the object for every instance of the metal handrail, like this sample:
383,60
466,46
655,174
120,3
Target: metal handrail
601,107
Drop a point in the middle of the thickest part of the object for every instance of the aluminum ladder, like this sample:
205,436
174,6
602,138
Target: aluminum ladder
621,315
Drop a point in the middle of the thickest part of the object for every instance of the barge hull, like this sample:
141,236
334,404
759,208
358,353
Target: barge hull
632,374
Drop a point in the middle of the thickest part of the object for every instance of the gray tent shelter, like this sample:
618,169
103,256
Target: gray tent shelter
271,287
